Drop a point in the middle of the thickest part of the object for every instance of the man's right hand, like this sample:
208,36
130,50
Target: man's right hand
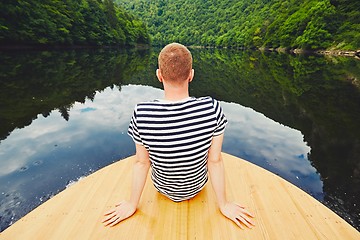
122,211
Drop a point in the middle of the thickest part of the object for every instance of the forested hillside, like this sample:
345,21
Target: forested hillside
305,24
68,22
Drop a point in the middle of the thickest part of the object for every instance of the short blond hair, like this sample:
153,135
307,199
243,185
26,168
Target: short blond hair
175,62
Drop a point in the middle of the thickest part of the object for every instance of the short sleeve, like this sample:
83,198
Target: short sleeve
221,120
133,130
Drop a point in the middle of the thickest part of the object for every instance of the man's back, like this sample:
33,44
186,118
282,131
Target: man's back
178,135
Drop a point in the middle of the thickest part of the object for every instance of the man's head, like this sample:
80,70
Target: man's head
175,64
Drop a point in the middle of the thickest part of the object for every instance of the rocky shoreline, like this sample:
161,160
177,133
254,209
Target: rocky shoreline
343,53
355,54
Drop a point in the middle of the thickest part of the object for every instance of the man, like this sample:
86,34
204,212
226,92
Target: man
180,138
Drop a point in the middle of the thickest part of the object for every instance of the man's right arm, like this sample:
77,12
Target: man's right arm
126,209
235,212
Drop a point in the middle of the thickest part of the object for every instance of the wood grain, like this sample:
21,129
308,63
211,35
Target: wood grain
282,210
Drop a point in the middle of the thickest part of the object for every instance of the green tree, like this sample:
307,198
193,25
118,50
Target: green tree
68,22
308,24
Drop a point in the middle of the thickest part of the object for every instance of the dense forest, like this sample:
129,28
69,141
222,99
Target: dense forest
292,24
68,22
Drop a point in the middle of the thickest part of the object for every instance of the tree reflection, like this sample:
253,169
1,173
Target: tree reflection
35,82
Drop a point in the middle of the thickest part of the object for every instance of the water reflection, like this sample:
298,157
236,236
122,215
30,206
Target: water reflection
51,152
64,115
41,159
271,145
34,82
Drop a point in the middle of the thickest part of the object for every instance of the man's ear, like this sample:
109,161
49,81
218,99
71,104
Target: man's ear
191,76
158,75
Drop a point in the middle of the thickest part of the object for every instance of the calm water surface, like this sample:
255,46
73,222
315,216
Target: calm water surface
64,115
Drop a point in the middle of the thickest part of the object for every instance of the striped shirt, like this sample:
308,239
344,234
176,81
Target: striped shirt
177,136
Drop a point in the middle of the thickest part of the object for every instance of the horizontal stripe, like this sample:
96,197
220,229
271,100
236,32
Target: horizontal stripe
184,155
164,126
178,137
180,180
171,169
173,139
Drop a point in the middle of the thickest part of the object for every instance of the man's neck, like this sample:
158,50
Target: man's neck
174,96
176,93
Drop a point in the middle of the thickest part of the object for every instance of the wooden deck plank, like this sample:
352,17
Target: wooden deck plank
282,210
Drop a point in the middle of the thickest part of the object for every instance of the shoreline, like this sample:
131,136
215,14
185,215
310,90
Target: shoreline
66,47
343,53
340,53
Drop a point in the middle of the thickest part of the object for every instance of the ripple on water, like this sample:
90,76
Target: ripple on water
9,209
37,163
24,168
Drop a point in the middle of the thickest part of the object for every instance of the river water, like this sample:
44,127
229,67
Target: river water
64,114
